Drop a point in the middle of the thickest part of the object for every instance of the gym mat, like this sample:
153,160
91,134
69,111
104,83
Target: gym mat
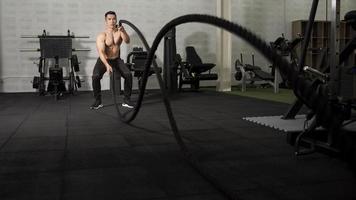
276,122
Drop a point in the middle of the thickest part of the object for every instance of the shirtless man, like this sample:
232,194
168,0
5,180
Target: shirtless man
108,46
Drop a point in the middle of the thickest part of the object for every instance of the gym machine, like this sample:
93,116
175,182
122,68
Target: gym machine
136,60
177,72
337,86
56,47
193,70
252,73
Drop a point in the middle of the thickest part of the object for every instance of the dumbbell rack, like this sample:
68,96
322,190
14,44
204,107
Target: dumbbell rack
56,47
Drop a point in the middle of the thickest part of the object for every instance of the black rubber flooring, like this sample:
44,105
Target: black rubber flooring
63,150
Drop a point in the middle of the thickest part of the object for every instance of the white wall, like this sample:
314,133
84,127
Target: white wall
86,17
267,18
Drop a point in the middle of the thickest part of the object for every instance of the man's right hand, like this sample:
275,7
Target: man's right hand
109,69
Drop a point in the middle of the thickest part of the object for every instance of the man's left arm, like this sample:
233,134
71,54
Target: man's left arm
125,37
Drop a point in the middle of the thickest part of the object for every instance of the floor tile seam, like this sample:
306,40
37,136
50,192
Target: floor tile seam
64,159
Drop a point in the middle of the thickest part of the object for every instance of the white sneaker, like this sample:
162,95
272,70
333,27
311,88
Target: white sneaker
126,105
96,105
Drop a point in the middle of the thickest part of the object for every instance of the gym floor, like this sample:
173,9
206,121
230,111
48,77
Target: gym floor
63,150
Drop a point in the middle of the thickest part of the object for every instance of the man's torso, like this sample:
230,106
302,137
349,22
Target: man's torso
112,44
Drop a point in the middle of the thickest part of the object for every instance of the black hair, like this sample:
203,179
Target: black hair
110,13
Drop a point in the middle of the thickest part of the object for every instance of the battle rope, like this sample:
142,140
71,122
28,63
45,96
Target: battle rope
123,116
314,96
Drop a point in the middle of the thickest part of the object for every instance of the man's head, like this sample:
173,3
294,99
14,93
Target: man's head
110,18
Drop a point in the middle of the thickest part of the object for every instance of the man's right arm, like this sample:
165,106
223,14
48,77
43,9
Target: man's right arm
100,46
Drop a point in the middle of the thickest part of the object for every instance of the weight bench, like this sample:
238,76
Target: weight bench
259,74
192,71
253,73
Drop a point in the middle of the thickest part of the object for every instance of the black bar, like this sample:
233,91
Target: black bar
297,105
307,34
170,70
293,110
